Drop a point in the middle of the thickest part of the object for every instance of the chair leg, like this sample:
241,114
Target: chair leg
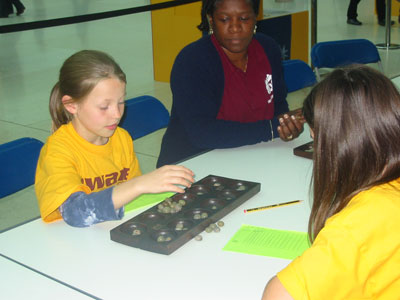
380,66
317,74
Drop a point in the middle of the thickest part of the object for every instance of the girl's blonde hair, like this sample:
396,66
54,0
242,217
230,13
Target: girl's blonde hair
79,74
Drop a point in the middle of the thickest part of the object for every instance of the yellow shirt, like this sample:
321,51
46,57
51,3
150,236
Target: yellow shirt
68,164
356,255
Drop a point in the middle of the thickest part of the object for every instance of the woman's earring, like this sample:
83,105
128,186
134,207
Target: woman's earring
210,30
255,29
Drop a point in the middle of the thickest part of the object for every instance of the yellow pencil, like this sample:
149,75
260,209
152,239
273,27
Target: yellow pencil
272,206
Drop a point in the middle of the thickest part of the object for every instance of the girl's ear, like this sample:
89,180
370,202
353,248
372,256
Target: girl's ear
69,105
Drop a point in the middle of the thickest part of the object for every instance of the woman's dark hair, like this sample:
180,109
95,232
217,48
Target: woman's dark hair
208,7
355,115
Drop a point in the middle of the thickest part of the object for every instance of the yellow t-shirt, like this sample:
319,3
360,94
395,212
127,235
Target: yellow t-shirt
68,164
356,255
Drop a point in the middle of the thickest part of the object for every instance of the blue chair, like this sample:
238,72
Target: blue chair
18,160
341,53
144,115
297,75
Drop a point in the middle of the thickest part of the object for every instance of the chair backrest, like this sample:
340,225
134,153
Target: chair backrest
297,74
18,160
334,54
144,115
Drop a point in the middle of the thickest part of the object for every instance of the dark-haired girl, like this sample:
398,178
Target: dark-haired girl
354,116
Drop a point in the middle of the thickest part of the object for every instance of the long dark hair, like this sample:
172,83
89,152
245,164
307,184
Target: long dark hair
79,74
208,8
355,115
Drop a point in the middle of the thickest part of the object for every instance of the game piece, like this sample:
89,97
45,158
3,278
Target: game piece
136,232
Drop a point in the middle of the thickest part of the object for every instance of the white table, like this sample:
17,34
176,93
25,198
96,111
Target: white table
19,282
88,260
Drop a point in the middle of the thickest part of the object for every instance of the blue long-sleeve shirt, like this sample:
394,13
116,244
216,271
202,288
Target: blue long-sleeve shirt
197,84
82,210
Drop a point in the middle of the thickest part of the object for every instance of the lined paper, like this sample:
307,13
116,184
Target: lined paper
268,242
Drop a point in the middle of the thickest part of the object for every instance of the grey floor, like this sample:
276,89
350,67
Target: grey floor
30,61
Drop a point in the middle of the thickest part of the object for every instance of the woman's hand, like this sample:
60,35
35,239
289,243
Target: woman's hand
291,125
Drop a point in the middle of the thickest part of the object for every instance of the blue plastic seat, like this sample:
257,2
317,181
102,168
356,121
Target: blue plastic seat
341,53
144,115
297,75
18,160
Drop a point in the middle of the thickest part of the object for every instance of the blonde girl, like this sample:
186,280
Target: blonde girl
87,170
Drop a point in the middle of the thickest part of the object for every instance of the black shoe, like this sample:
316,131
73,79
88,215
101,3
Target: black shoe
383,22
353,21
21,11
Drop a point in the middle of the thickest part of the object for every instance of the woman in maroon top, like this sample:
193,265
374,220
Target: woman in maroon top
228,87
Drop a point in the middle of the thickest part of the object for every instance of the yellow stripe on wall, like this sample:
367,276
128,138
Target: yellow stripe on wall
172,28
395,8
299,43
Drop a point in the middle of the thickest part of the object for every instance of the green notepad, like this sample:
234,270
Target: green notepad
146,200
268,242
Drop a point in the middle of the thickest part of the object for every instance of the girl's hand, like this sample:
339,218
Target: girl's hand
164,179
291,125
169,178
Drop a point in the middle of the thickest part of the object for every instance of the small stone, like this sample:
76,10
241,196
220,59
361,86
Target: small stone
208,229
182,202
220,223
198,237
204,215
241,188
217,229
161,239
157,227
212,226
197,216
136,232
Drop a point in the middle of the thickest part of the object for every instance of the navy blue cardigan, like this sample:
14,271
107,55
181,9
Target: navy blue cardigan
197,84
